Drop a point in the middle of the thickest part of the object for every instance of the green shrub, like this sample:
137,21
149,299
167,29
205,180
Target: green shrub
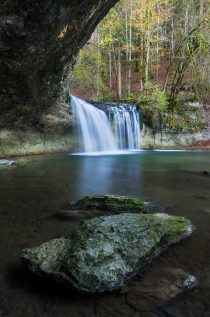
153,103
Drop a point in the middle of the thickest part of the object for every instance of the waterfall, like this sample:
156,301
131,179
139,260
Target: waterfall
126,122
106,128
93,127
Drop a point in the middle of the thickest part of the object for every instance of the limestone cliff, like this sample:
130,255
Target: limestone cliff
39,41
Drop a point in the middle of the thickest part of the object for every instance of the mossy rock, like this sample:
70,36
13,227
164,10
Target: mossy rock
5,164
103,253
21,162
112,203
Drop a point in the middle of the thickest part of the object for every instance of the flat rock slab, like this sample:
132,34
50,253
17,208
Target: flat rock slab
6,162
103,253
113,203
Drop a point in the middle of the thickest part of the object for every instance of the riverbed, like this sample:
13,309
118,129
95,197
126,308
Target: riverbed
31,195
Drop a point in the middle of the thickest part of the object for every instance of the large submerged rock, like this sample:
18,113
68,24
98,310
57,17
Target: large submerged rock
103,253
112,203
156,290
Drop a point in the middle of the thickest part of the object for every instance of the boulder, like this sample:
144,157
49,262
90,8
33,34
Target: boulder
112,203
103,253
156,290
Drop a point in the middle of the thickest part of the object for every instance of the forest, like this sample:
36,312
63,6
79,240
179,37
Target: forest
155,53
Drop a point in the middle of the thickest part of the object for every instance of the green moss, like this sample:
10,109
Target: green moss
111,203
21,162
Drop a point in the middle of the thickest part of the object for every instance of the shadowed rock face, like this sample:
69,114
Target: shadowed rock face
38,44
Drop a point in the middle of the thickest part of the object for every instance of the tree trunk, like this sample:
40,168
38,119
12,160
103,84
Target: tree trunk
127,45
119,75
110,69
98,66
130,50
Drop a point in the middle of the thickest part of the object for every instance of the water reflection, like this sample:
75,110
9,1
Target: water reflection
31,195
174,178
107,175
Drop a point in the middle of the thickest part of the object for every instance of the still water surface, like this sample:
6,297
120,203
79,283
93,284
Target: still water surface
31,195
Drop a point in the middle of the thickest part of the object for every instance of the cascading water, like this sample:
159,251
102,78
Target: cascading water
111,129
93,127
126,122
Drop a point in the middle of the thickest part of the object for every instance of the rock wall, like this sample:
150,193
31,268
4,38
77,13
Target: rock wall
171,140
55,136
39,41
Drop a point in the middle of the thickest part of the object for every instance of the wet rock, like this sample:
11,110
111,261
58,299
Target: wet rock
155,290
113,203
6,162
103,253
206,280
172,311
5,165
78,215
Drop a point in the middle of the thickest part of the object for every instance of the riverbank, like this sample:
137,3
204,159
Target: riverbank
14,144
